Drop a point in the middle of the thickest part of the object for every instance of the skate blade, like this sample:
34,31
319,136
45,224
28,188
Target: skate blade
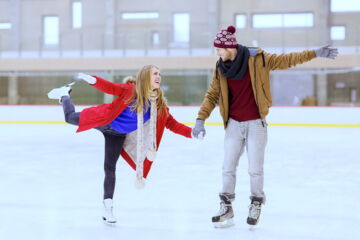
109,223
253,228
224,224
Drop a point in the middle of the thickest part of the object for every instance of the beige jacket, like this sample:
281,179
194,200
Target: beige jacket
260,65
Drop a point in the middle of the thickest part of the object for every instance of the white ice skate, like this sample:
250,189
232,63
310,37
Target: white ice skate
108,216
254,211
225,216
58,93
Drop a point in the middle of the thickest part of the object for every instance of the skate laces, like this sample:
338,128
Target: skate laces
223,208
254,210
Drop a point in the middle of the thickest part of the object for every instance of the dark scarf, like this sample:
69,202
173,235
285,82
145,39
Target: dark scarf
235,70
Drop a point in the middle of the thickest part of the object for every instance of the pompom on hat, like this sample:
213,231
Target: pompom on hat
226,38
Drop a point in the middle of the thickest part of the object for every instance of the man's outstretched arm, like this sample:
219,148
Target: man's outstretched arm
286,61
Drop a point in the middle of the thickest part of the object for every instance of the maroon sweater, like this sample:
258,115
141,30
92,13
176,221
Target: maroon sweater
242,101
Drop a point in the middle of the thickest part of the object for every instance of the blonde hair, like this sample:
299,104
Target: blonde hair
129,79
143,90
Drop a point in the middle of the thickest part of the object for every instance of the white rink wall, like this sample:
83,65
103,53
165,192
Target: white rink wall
317,115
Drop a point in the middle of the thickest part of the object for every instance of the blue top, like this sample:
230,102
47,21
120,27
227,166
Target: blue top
126,122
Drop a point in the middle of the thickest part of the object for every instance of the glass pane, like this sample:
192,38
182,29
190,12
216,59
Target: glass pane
299,20
5,25
338,33
77,14
51,30
345,5
181,27
144,15
267,20
240,21
155,38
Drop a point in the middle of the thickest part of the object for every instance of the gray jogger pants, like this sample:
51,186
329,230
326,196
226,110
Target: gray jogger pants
251,135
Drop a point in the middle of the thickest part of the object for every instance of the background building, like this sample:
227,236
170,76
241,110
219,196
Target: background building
44,43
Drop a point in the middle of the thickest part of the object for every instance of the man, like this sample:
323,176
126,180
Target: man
241,87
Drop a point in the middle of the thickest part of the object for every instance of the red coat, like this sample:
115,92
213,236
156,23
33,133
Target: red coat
105,113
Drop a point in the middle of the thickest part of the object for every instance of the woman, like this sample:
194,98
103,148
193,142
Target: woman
133,124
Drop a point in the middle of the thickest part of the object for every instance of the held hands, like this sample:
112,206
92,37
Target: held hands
87,78
326,52
199,130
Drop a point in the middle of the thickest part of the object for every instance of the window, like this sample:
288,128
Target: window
298,20
181,27
267,20
77,14
140,15
51,30
155,38
338,33
287,20
345,5
5,25
240,21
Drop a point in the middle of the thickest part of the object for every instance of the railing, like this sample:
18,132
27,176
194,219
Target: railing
96,43
87,44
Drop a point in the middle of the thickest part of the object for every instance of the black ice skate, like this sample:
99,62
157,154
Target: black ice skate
225,216
254,211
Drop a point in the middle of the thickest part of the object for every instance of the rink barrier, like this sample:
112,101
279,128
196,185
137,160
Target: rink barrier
211,124
289,124
32,122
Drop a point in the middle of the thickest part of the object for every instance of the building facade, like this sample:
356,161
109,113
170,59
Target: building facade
45,42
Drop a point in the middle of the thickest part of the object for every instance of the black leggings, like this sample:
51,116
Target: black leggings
113,144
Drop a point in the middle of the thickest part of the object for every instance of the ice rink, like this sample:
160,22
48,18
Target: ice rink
51,181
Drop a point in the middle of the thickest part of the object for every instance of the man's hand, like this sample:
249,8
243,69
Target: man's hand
326,52
87,78
199,129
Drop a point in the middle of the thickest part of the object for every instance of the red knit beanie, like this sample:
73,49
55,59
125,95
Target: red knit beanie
226,38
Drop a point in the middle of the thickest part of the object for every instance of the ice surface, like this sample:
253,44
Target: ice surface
51,182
